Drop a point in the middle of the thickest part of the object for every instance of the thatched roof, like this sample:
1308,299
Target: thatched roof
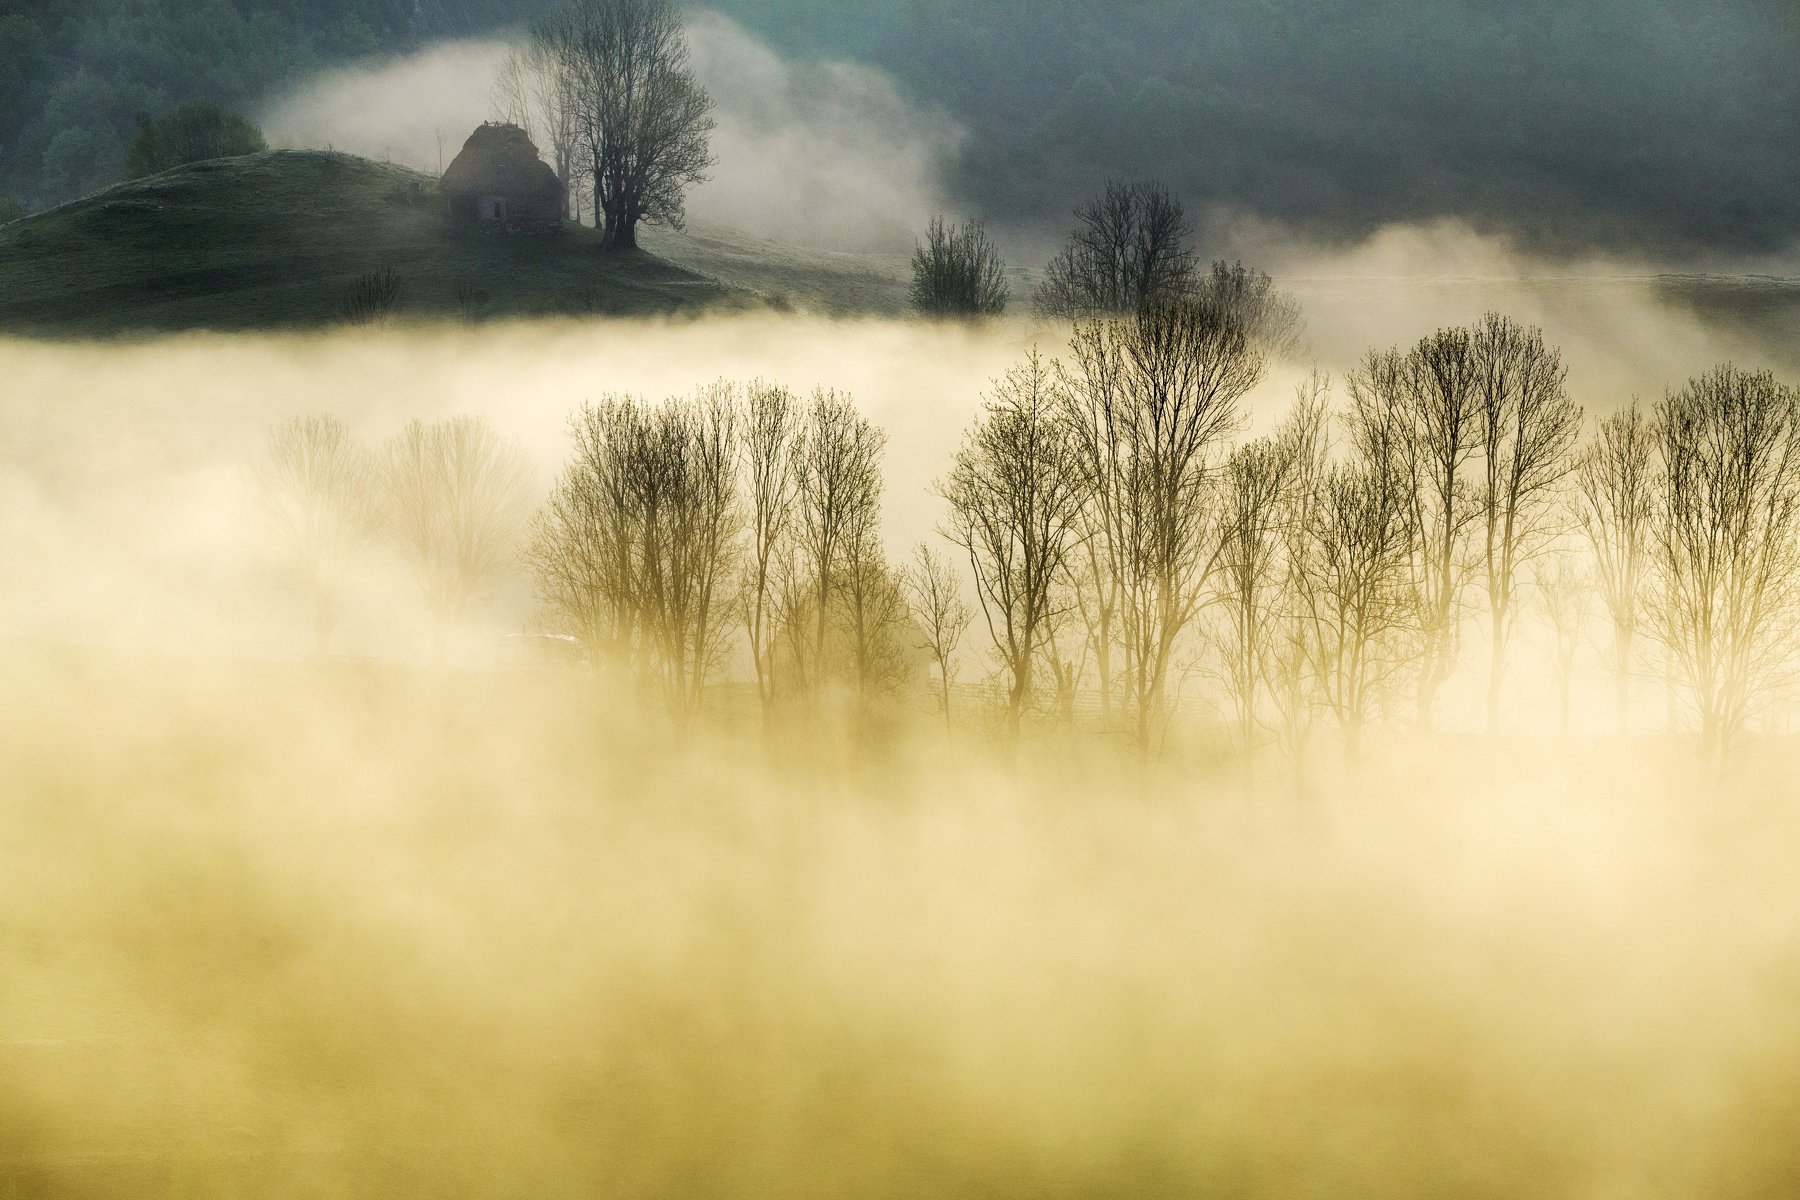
499,159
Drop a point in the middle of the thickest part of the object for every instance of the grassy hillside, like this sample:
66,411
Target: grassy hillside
278,240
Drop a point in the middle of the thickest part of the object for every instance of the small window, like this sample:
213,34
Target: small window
493,208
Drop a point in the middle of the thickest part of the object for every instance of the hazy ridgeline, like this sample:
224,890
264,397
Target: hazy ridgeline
283,925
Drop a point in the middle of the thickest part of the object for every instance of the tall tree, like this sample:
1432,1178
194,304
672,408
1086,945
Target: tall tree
941,614
837,482
643,118
1151,397
1527,427
1129,249
535,91
1422,408
1260,477
1356,593
458,496
1565,589
772,428
1616,507
633,548
1014,494
1727,544
316,486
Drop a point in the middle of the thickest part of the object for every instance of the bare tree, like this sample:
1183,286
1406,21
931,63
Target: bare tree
873,616
772,428
535,90
1129,249
1150,398
1260,478
1356,594
1270,316
1565,589
696,544
1014,494
1616,507
1727,593
585,541
957,272
458,496
838,506
1288,674
941,614
643,119
316,490
633,549
1422,407
1527,426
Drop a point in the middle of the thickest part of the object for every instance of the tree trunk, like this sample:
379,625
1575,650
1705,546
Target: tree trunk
1015,707
621,230
1622,678
322,623
1103,661
944,691
1496,667
440,639
1712,748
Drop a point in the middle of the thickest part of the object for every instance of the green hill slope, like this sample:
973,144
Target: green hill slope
279,240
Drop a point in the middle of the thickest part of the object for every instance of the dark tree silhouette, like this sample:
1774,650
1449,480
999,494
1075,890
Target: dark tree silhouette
632,551
1616,507
1151,398
643,119
1727,544
957,272
1527,426
1014,493
1128,250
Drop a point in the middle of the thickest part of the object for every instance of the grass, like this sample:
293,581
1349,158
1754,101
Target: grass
281,240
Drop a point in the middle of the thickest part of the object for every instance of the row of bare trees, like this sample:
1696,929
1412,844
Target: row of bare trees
1121,544
747,509
452,498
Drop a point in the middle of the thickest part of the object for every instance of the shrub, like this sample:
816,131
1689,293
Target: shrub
192,133
957,272
372,297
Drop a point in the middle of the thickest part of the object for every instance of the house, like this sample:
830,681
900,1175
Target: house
499,178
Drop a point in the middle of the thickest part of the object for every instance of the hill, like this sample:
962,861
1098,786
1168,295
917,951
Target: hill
279,240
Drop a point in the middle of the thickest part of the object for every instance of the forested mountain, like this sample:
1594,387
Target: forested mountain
75,74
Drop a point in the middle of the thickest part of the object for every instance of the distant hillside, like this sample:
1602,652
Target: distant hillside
75,74
279,240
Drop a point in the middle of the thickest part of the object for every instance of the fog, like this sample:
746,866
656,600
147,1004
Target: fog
811,152
1657,130
280,926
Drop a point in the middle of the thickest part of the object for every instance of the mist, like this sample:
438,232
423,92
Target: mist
1657,132
821,153
287,925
